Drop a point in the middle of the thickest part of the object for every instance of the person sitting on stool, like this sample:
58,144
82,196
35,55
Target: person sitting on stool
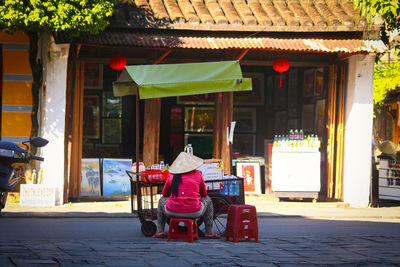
185,192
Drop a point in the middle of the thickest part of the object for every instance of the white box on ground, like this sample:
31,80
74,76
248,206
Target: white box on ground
38,195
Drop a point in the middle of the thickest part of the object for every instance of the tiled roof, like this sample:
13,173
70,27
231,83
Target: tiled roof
243,15
114,38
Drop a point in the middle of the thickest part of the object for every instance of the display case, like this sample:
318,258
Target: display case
296,174
296,168
389,179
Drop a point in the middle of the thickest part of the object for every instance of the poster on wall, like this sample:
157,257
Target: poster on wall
91,116
308,84
250,172
199,119
115,180
320,117
90,182
93,76
319,82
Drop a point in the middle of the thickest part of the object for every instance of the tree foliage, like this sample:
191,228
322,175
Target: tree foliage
34,17
389,10
55,15
386,80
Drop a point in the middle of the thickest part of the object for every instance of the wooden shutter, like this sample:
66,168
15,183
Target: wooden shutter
335,126
74,127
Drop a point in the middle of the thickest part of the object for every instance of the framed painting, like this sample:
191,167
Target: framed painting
308,83
250,172
199,119
254,97
319,82
112,106
91,116
308,117
90,179
245,119
115,180
203,99
320,117
111,131
244,144
93,76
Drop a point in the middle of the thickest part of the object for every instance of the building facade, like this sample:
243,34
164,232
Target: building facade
327,90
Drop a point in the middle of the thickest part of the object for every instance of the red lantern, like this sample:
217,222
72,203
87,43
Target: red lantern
117,63
281,65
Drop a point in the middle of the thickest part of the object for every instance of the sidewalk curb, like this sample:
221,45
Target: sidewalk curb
66,215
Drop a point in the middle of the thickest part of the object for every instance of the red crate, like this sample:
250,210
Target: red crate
154,176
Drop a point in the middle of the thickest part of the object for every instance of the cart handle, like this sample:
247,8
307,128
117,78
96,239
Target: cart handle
130,174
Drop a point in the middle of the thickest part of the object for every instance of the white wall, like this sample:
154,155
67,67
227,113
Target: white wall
358,130
52,112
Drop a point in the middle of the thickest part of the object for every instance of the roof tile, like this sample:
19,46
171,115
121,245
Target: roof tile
175,40
245,15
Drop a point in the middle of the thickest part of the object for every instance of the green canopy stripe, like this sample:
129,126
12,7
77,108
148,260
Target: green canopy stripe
169,80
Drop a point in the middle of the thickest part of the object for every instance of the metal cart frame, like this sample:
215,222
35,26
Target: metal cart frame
144,195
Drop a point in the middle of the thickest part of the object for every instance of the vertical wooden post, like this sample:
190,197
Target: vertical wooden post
224,115
331,126
151,138
74,126
340,133
217,138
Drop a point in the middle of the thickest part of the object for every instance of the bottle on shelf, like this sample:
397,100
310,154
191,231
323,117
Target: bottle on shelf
162,166
189,149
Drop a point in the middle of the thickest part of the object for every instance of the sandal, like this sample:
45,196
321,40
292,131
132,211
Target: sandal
159,235
212,236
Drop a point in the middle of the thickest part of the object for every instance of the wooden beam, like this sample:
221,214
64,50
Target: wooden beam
162,57
242,54
151,135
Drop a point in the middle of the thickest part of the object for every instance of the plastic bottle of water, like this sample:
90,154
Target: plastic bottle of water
291,134
189,149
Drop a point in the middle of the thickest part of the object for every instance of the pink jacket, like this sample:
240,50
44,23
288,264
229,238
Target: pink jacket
190,192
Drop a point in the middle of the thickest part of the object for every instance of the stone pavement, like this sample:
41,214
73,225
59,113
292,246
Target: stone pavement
265,208
299,251
309,250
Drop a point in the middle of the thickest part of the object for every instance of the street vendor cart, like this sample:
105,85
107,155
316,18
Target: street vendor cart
146,188
172,80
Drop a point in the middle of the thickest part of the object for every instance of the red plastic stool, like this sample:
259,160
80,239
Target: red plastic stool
242,223
190,234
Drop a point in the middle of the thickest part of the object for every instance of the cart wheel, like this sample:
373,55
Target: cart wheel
221,205
148,228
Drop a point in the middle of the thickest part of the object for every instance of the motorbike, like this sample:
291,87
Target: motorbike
11,153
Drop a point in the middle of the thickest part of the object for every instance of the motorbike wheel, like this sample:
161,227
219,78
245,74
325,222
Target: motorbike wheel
3,199
221,205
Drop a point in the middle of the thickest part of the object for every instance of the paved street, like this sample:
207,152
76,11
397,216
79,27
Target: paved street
284,241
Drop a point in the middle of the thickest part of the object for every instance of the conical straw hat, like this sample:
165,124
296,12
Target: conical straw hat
387,147
185,163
